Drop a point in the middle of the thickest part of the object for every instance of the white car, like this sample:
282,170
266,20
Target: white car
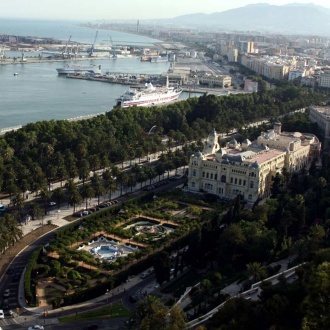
6,293
2,315
36,327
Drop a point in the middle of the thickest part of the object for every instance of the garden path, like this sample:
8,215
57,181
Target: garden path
41,294
161,221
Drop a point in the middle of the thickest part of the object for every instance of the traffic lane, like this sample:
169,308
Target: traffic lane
18,265
110,324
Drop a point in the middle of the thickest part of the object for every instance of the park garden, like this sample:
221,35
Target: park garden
142,226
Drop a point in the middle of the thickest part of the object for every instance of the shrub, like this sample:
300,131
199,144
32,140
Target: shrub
27,275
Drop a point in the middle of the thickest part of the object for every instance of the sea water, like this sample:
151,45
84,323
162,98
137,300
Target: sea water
38,93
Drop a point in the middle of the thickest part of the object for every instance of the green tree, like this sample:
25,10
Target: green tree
257,271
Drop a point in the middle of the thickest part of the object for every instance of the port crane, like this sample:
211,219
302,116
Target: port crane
91,53
66,53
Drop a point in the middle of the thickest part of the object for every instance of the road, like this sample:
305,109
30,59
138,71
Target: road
16,298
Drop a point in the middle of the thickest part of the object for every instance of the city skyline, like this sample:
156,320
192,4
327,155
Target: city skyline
125,9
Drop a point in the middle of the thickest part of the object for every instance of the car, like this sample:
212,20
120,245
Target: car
6,294
2,315
36,327
150,271
11,313
10,271
5,304
51,204
16,277
91,327
2,208
143,275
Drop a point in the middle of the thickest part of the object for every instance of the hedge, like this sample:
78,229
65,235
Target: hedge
28,272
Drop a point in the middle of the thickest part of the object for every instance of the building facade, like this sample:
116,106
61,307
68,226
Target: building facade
215,80
248,168
321,116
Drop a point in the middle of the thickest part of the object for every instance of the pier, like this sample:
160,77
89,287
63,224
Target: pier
134,79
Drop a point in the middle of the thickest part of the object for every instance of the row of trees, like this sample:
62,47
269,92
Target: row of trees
39,153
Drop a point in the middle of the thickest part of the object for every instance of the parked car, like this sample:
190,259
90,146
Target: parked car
36,327
5,304
6,294
2,208
91,327
2,315
16,277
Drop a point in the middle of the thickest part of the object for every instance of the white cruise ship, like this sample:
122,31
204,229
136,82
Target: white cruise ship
73,68
149,95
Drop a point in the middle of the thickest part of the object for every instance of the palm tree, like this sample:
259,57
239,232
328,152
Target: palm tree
58,194
99,190
84,170
109,182
131,181
75,199
70,186
257,271
14,232
87,192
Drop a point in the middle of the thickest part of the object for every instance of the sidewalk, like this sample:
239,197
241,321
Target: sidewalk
44,316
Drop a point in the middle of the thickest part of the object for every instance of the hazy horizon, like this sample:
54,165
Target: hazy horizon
125,9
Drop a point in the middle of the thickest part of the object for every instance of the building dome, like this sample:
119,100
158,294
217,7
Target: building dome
221,151
246,143
213,132
255,165
198,154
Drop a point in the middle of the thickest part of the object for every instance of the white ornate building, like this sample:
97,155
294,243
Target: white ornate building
248,168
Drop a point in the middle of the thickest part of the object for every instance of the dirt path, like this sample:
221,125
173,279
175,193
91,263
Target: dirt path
41,294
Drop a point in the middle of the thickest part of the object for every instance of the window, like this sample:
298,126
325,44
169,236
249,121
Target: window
211,176
194,173
235,181
231,180
223,178
244,183
216,177
251,184
203,174
207,175
239,181
193,184
250,197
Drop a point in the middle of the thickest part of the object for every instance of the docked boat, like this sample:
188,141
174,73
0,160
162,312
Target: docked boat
148,95
159,59
73,68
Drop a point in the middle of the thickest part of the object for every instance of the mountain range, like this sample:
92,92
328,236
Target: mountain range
293,18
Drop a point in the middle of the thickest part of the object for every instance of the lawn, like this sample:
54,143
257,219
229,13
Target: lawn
101,313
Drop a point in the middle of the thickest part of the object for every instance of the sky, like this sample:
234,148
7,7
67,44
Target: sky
125,9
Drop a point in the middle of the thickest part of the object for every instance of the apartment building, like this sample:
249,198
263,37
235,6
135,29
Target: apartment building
321,116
